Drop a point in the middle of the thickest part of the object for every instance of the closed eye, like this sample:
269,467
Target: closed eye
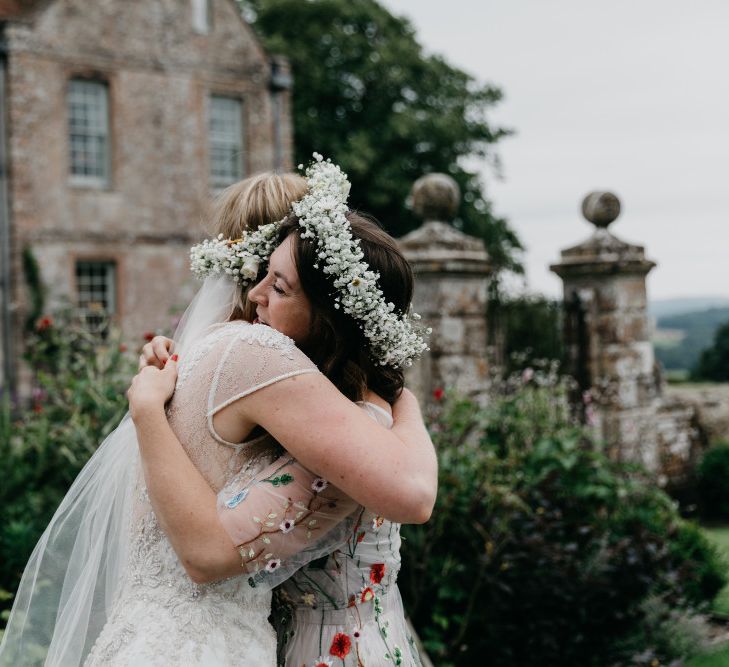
277,289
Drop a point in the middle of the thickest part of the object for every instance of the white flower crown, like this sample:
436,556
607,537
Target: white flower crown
393,339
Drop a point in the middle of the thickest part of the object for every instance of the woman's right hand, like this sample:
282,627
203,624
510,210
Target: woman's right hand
156,352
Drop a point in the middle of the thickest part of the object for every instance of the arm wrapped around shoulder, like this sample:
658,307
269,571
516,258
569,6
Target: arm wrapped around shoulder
283,519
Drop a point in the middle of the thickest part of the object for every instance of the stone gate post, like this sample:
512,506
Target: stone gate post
452,271
607,333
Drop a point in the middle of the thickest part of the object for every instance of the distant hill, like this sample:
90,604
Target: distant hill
697,328
665,307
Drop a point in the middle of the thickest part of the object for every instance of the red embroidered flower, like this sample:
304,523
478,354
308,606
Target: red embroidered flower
148,336
44,323
340,645
366,594
438,393
377,571
360,537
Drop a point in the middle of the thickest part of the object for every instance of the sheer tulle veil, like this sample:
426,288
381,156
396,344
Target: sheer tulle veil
77,567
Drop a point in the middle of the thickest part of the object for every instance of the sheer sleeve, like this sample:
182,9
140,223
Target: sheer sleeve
283,519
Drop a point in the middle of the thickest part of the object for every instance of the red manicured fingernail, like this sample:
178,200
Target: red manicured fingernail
174,357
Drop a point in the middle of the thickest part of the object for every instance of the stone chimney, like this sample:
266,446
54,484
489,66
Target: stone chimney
452,271
607,334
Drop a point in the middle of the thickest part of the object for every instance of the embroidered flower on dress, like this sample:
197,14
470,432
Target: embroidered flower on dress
356,633
341,644
377,572
319,484
309,599
377,522
321,661
366,594
287,525
273,564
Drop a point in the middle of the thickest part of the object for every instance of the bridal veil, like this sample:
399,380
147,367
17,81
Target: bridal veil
76,569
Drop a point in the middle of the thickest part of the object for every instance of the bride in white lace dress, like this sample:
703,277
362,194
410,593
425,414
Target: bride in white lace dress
106,586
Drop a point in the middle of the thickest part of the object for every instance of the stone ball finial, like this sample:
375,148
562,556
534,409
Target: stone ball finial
601,208
435,197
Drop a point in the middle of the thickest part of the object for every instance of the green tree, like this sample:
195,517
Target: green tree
366,95
714,361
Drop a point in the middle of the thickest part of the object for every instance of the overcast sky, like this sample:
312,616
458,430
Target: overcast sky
630,96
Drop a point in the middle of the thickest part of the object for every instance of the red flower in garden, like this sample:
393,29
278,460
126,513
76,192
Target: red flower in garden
377,571
438,393
122,348
340,645
148,336
44,323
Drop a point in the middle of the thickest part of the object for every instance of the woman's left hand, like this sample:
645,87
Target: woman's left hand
152,388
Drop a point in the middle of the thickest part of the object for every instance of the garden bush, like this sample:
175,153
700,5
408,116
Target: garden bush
80,379
713,483
540,550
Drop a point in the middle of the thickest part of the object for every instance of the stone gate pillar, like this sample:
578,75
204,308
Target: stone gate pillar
452,271
607,333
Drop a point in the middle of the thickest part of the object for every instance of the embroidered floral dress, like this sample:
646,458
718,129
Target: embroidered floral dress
160,616
336,563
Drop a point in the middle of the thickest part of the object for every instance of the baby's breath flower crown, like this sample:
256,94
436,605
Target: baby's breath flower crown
393,339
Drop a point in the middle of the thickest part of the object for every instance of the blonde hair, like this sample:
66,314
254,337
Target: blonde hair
248,204
255,201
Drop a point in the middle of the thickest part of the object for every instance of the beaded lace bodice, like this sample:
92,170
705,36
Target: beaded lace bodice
177,618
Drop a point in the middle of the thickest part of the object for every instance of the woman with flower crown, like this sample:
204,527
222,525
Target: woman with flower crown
125,596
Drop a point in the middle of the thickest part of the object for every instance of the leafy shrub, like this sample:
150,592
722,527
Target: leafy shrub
78,397
541,550
713,482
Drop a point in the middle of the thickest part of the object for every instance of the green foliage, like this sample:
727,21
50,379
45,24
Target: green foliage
714,361
713,482
699,329
79,396
366,95
540,549
527,328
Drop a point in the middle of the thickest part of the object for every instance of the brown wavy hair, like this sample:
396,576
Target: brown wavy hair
336,343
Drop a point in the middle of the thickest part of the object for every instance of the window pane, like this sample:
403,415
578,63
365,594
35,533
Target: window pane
96,298
88,124
225,136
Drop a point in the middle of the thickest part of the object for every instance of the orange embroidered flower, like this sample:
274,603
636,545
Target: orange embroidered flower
366,594
377,572
340,645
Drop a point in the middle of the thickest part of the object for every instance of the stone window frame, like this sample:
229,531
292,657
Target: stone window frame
201,16
93,317
216,182
104,129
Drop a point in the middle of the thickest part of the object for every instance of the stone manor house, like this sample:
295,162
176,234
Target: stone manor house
119,120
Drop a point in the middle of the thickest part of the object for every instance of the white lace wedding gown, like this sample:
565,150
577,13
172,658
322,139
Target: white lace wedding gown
160,616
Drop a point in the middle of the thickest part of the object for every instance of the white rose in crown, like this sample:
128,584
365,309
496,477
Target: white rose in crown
249,270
